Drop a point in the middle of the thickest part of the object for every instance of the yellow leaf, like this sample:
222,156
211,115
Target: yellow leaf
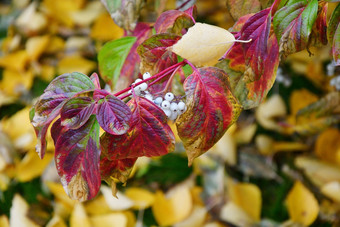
196,218
4,182
234,214
75,64
97,206
58,191
18,213
332,190
31,166
173,207
79,216
248,197
35,46
302,205
225,148
122,202
15,61
56,44
56,221
86,16
14,83
109,220
299,99
327,146
204,44
196,193
47,72
31,21
105,29
319,172
245,134
20,130
142,198
4,221
267,146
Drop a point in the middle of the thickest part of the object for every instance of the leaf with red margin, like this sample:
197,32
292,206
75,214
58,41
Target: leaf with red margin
56,130
77,154
113,115
130,69
76,112
48,106
251,67
119,169
150,135
95,80
239,8
318,36
154,54
333,23
211,110
174,21
293,25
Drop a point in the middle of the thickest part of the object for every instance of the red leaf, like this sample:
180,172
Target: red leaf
154,54
113,115
77,159
76,112
252,66
149,135
211,110
119,168
95,80
319,31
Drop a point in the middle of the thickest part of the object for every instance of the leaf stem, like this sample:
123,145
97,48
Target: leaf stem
191,65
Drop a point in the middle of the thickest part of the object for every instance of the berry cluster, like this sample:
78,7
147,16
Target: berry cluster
171,105
335,82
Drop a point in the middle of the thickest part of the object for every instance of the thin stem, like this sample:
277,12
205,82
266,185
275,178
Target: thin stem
170,79
191,65
151,78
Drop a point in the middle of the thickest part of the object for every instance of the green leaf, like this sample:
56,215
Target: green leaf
333,23
112,57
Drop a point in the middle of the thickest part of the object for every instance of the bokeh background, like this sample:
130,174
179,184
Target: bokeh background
271,168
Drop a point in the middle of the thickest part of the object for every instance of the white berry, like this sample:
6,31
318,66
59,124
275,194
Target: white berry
165,104
143,86
181,105
173,116
146,75
138,80
173,107
169,96
167,112
149,97
158,100
182,111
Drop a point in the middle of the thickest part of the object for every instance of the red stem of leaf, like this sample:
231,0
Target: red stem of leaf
191,65
170,79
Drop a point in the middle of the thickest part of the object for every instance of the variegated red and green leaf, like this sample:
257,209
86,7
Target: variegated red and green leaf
239,8
174,21
119,169
333,23
336,46
154,54
76,112
251,67
77,154
318,36
95,80
211,110
149,134
48,106
113,115
293,25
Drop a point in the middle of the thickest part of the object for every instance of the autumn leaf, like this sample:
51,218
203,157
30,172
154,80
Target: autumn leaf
211,110
155,55
252,66
149,134
293,25
119,169
333,23
77,159
113,115
239,8
336,46
318,36
48,106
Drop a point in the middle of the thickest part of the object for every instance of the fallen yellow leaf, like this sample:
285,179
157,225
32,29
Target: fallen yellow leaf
56,44
35,46
204,44
4,221
75,63
332,190
30,21
247,197
86,16
298,100
15,61
14,83
58,191
109,220
327,146
121,202
234,214
302,205
105,29
225,148
173,207
142,198
56,221
196,218
18,213
97,206
79,216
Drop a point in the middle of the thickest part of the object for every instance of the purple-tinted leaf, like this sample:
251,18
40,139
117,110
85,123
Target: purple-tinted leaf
56,130
211,110
130,68
119,169
77,154
149,135
174,21
100,94
76,112
113,115
49,104
95,80
293,25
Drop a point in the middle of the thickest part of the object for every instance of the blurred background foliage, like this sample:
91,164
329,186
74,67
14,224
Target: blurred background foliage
277,166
